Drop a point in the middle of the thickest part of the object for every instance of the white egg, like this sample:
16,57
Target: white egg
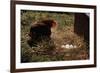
62,46
67,45
71,46
75,46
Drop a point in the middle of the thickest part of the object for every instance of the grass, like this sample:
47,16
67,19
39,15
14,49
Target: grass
61,35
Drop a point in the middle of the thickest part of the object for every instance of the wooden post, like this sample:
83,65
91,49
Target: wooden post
81,26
